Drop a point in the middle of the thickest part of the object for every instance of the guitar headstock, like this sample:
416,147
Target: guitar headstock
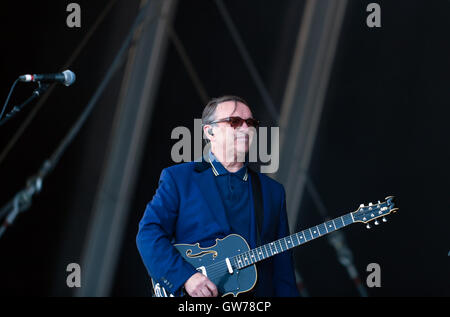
365,214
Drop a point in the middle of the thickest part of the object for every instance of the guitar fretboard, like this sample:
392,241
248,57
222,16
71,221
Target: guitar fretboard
294,240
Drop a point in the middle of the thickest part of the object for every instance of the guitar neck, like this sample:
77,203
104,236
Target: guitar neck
294,240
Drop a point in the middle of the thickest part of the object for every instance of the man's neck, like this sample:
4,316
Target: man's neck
231,166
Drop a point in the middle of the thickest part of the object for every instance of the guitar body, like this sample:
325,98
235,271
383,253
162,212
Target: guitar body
211,262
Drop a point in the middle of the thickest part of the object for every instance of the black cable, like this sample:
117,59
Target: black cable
9,96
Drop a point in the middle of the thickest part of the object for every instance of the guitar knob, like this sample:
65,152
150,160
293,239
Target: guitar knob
384,219
368,226
376,223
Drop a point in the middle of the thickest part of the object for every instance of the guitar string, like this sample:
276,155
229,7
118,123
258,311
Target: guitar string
250,256
215,270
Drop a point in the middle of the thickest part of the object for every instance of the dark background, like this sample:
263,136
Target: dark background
384,131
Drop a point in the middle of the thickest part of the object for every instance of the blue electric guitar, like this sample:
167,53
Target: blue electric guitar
230,264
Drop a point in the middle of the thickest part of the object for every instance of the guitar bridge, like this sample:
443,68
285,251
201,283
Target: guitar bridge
202,270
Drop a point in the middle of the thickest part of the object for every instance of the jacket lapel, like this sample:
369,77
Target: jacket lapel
204,180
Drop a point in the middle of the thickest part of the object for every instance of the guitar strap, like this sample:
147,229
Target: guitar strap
257,203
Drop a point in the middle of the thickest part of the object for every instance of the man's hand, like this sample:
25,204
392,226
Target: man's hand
199,285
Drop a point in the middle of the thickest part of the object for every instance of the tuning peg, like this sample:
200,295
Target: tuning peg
370,204
368,226
384,219
362,205
376,223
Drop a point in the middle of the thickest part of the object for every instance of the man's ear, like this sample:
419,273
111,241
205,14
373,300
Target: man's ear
207,129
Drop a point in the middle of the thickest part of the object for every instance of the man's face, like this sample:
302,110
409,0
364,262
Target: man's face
227,140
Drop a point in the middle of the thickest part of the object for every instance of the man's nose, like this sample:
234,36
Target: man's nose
244,126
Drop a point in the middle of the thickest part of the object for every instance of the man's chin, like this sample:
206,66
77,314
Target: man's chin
241,152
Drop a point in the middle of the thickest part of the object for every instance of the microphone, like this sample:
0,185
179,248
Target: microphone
67,77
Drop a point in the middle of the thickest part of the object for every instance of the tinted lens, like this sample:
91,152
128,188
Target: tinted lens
236,122
252,122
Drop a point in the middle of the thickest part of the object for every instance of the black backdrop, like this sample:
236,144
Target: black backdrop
383,131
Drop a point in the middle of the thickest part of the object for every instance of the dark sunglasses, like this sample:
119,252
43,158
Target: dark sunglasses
236,122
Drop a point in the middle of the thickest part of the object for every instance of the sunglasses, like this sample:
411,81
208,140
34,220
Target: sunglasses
236,122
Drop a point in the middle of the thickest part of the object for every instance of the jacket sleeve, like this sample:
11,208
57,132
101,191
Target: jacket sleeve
284,274
156,230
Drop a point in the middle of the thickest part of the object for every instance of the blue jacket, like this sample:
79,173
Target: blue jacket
187,208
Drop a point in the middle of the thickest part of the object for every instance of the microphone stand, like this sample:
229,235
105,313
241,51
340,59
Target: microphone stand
40,90
22,200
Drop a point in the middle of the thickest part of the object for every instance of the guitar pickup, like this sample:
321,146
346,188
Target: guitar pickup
230,269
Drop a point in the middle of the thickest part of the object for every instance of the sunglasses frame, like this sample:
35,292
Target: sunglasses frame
254,124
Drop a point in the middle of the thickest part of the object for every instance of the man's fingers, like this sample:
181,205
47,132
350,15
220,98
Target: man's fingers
212,288
206,292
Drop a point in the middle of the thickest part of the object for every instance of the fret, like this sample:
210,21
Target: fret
291,242
275,247
281,246
249,257
235,263
245,259
259,253
322,229
307,235
347,219
240,260
330,226
338,224
303,236
298,239
314,232
252,256
285,242
265,248
271,248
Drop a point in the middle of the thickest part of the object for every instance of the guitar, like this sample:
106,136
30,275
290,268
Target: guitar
230,264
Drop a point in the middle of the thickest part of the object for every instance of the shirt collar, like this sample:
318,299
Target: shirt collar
219,169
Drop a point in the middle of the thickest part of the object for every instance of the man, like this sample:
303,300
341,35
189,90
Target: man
200,205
